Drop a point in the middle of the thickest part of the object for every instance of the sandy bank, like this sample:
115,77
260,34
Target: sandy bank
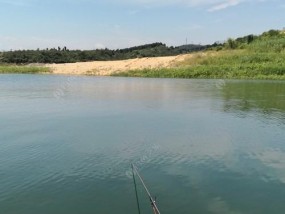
105,68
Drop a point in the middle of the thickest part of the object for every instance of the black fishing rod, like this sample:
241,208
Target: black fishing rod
152,201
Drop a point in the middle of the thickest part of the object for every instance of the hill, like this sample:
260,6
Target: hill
249,57
63,55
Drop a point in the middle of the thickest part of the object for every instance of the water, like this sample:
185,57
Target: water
202,146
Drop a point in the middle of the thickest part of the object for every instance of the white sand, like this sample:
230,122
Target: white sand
105,68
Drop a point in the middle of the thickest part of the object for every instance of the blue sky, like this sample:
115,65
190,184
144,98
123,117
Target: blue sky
90,24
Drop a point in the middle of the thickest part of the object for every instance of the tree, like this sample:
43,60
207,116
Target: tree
250,39
231,44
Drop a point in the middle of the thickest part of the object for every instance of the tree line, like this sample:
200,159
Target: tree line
64,55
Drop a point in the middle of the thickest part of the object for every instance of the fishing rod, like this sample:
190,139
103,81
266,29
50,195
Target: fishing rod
152,201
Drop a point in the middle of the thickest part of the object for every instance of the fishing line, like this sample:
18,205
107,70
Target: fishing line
153,203
137,197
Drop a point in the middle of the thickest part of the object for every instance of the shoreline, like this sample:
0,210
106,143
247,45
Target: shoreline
108,68
199,65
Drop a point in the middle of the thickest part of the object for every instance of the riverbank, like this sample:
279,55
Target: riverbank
228,64
107,68
97,68
225,64
249,57
23,69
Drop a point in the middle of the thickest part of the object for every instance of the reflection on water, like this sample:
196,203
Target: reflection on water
203,146
264,97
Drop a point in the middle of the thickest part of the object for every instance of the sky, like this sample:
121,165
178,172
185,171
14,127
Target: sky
91,24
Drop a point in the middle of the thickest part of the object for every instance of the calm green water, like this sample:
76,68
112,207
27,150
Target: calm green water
202,146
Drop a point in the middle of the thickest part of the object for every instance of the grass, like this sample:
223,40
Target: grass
22,69
262,59
227,65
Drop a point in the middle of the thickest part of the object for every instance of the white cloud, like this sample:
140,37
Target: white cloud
274,161
16,43
19,3
224,5
209,5
100,46
191,3
133,12
212,5
219,206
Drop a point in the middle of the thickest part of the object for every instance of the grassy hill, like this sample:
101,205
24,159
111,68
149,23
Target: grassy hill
249,57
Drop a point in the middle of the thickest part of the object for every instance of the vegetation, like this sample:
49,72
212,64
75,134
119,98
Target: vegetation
22,69
250,57
63,55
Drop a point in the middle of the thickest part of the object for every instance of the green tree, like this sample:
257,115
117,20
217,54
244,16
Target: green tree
231,43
